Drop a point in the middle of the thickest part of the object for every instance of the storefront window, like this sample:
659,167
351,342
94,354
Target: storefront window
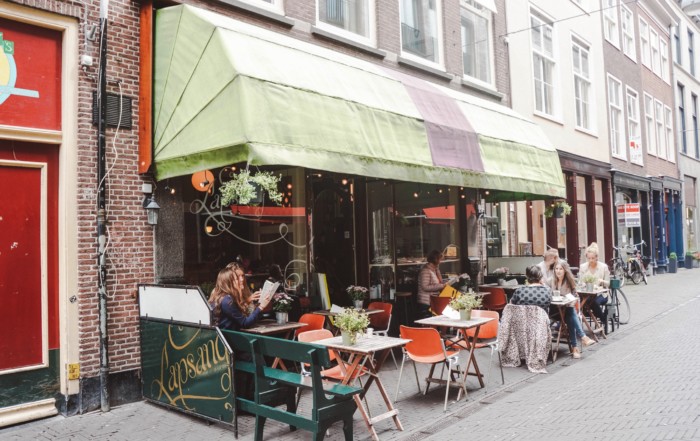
380,209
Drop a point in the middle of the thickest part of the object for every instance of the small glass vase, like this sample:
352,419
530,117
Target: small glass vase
282,317
501,282
465,314
589,287
349,338
358,304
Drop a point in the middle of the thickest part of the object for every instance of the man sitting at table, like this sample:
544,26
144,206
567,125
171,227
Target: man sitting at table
551,257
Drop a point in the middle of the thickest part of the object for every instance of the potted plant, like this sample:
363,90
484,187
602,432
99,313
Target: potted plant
557,209
244,188
501,274
351,322
464,303
357,295
689,259
696,259
589,280
282,304
672,262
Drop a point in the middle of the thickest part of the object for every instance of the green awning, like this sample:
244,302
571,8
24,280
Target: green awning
228,92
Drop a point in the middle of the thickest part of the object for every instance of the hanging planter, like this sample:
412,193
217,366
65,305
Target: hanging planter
246,188
557,210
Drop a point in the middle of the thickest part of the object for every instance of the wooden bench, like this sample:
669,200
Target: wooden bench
331,402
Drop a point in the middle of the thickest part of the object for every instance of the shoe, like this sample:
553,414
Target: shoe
587,341
576,353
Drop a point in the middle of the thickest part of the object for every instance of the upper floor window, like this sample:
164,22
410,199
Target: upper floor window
660,130
542,35
617,134
654,44
421,29
668,121
691,52
610,22
628,46
273,5
644,43
665,68
476,41
680,99
582,84
634,136
677,43
350,18
696,139
649,124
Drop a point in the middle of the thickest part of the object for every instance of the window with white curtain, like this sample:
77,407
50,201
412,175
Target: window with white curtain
617,134
610,29
421,30
350,18
663,50
649,124
680,99
544,65
691,52
654,44
274,5
582,84
634,136
668,121
644,42
660,130
628,46
477,54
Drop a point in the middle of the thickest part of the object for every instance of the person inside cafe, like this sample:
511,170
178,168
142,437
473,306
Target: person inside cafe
602,274
429,282
564,283
535,292
235,308
551,257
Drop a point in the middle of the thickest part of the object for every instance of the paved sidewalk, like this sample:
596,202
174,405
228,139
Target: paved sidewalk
651,359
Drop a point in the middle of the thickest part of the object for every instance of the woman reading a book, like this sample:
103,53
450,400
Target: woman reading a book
233,304
564,283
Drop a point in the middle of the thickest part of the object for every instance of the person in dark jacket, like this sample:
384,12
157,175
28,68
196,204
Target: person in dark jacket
234,305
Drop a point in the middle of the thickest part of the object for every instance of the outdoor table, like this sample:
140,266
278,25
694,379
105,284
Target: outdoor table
368,353
561,306
271,327
586,296
463,325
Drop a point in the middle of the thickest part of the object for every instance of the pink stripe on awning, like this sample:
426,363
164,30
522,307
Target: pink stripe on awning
452,140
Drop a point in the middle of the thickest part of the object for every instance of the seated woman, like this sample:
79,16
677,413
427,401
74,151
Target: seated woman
564,283
534,293
602,274
232,300
429,282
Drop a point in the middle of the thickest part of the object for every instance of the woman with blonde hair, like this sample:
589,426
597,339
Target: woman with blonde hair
564,283
602,274
232,301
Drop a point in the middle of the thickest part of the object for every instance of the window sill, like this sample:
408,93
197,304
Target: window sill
585,131
548,117
275,16
620,157
427,69
347,42
482,89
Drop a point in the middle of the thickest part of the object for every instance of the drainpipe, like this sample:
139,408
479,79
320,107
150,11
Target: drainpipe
101,208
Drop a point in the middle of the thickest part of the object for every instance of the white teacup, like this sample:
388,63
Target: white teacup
370,332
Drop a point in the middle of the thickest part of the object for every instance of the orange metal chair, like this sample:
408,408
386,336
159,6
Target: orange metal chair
426,346
438,304
488,338
313,322
382,321
496,301
335,373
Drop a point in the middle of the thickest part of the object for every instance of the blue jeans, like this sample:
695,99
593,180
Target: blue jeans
574,325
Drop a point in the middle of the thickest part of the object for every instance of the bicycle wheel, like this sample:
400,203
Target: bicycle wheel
623,308
637,276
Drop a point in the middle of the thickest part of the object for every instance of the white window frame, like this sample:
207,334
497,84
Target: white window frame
477,9
582,77
663,51
440,63
649,124
660,130
668,121
610,22
617,131
627,23
539,56
276,6
370,39
645,48
655,59
634,128
691,52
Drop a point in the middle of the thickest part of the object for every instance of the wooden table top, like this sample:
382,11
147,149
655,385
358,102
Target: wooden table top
328,313
265,327
364,344
441,320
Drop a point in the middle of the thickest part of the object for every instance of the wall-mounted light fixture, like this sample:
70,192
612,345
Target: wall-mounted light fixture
150,204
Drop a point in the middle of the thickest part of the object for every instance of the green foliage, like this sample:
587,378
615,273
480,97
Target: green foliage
240,190
673,256
549,211
589,278
352,320
465,301
357,292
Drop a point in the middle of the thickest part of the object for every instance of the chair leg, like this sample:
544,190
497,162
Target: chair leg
447,389
415,371
500,364
394,357
398,385
430,375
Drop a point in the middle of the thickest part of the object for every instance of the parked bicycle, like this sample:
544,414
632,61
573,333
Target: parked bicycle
632,268
618,307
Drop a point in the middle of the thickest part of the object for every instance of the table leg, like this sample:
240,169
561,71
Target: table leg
471,361
598,326
278,361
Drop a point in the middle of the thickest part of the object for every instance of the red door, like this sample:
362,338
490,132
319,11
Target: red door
29,339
